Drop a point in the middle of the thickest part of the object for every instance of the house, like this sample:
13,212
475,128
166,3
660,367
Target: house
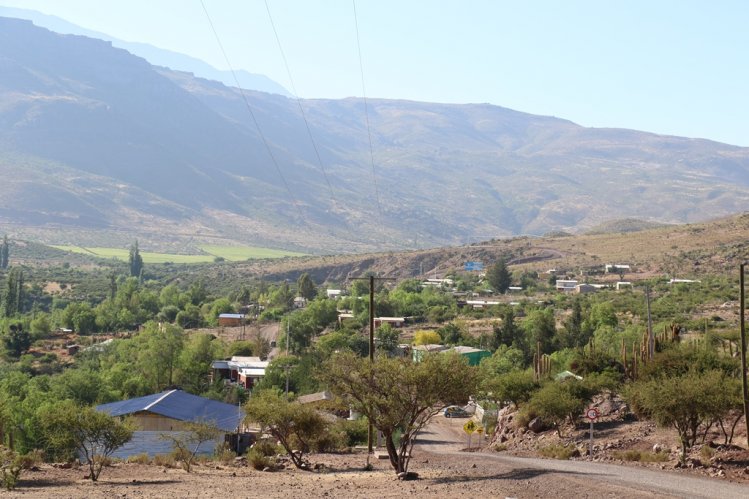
616,268
585,288
230,320
245,371
515,289
393,321
682,281
418,352
481,303
300,302
344,316
623,284
333,293
165,413
564,285
474,355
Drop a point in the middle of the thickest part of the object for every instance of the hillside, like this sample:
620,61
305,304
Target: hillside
102,146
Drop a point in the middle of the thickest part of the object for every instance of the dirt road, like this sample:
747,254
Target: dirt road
445,437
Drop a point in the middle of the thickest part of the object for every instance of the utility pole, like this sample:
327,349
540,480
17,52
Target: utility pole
287,366
370,429
742,322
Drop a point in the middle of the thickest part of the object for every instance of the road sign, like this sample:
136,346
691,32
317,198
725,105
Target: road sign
470,266
592,413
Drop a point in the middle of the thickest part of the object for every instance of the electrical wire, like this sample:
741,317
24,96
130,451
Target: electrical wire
252,114
299,103
366,116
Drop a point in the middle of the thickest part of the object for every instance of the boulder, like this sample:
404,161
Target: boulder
536,425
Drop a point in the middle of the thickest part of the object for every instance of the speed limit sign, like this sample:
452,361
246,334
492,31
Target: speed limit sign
592,413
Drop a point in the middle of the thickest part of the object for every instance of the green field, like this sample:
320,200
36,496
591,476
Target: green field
240,253
230,253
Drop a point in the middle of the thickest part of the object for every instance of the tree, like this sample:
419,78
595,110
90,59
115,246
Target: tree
427,338
306,287
508,333
386,339
540,327
397,395
135,261
16,341
4,250
296,427
555,403
575,334
188,440
685,403
515,387
499,277
94,434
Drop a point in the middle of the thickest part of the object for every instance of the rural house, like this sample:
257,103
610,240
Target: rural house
166,412
230,320
245,371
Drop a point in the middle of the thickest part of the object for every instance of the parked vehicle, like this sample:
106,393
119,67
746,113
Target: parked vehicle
455,412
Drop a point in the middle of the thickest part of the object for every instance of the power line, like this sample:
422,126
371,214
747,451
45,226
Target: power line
366,114
299,103
252,114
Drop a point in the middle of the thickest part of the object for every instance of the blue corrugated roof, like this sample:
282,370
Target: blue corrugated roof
181,406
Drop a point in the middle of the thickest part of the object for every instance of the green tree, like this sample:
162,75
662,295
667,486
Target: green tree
686,403
159,348
4,251
397,395
387,339
306,287
135,261
540,327
508,333
499,276
16,340
556,403
295,426
94,434
575,332
515,387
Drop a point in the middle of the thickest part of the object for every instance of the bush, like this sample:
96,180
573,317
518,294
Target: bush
356,431
641,456
259,460
11,465
32,458
165,460
557,451
142,458
223,453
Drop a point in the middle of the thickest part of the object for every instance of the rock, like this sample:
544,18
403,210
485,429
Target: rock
473,465
267,469
575,453
657,448
536,425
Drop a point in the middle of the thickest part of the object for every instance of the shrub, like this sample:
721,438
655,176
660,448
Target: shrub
558,451
32,458
259,460
355,431
165,460
641,456
11,465
223,453
142,458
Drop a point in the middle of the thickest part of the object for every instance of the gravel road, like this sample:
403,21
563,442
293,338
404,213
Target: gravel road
445,437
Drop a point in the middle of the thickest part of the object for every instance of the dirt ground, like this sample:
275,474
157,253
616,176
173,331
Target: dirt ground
443,471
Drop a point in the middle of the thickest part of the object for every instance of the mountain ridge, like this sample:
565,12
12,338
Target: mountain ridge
440,174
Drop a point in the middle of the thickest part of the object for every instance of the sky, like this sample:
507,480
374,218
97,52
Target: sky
677,67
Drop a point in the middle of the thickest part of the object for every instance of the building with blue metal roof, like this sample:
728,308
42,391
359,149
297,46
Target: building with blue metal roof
162,413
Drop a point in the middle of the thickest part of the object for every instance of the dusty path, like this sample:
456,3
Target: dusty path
444,437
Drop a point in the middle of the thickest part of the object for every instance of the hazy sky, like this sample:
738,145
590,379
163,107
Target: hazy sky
676,67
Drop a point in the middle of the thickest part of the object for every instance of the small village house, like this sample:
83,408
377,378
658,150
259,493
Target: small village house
244,371
166,413
231,320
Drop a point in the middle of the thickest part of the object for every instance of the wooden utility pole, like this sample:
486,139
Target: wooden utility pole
743,349
370,428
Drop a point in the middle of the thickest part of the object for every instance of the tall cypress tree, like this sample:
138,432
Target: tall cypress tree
4,251
135,261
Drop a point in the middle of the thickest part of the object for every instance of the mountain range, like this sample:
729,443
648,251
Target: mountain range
98,146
